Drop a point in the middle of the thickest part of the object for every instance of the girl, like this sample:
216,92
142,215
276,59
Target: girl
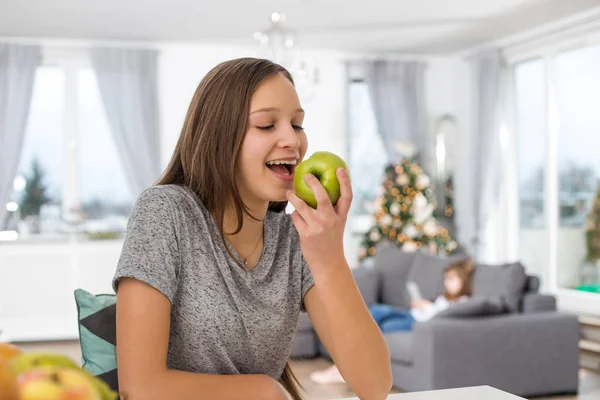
457,288
213,274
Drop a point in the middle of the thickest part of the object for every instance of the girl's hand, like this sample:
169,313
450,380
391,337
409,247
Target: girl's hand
322,230
420,304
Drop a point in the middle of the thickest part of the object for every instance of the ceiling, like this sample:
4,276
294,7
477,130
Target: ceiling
434,26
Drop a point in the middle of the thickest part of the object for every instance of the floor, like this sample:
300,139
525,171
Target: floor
589,382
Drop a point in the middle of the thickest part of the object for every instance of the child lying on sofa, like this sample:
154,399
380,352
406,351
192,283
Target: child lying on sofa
457,288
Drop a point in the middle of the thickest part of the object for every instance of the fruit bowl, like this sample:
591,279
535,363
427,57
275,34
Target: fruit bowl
46,376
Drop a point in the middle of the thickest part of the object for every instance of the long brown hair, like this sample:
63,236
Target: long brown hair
464,269
206,155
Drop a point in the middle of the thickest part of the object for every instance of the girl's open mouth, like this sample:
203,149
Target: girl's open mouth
282,168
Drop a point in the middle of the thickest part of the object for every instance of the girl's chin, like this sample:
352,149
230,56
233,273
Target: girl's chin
279,195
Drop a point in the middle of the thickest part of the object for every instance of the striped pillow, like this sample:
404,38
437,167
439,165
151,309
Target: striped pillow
96,316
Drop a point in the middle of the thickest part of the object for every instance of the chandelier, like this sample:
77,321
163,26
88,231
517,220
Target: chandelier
278,44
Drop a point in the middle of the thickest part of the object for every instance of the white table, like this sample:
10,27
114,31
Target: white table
467,393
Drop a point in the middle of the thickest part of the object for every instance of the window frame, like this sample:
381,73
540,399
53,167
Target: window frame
546,48
358,224
71,60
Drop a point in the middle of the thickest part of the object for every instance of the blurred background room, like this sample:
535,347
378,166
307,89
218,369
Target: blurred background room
470,127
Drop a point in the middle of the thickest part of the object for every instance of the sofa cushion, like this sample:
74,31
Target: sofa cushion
394,266
323,351
96,315
305,345
400,345
368,282
473,307
428,273
304,323
533,284
506,281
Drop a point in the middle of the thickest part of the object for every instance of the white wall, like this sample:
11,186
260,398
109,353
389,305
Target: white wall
444,80
37,282
445,85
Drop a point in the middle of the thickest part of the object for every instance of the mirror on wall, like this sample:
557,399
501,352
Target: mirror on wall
445,135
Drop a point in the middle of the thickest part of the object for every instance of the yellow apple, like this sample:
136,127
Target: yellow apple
8,382
9,351
28,361
56,383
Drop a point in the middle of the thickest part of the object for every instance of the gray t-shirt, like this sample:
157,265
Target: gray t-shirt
224,319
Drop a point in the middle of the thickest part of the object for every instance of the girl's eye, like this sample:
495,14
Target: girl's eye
269,127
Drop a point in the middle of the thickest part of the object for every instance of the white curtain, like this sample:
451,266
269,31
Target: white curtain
397,90
17,74
127,79
479,172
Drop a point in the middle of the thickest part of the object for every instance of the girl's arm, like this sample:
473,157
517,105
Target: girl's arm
346,328
334,304
428,310
143,323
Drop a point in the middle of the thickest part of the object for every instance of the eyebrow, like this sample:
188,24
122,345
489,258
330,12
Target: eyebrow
271,109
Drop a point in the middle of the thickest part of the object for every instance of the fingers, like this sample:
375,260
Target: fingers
299,222
323,200
301,207
345,201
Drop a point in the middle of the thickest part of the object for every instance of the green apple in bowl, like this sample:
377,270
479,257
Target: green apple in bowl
323,165
56,383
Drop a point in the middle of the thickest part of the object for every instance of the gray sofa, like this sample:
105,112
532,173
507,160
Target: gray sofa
507,336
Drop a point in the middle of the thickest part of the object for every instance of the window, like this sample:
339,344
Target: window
367,154
530,107
531,133
40,174
578,164
104,193
69,178
559,166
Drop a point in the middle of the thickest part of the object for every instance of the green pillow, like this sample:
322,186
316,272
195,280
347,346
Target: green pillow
96,315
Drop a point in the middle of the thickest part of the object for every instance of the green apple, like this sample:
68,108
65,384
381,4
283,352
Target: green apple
323,165
56,383
25,362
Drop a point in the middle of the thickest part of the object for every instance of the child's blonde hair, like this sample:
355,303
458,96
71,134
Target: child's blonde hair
464,269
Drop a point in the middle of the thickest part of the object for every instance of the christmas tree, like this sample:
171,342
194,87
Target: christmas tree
35,195
405,215
592,230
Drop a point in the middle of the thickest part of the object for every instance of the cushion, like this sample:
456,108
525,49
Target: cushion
506,281
96,315
394,266
367,280
428,273
474,307
533,284
304,323
400,345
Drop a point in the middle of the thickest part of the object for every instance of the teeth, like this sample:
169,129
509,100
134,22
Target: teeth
277,162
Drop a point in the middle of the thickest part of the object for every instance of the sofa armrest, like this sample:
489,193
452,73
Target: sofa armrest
534,302
514,352
367,279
